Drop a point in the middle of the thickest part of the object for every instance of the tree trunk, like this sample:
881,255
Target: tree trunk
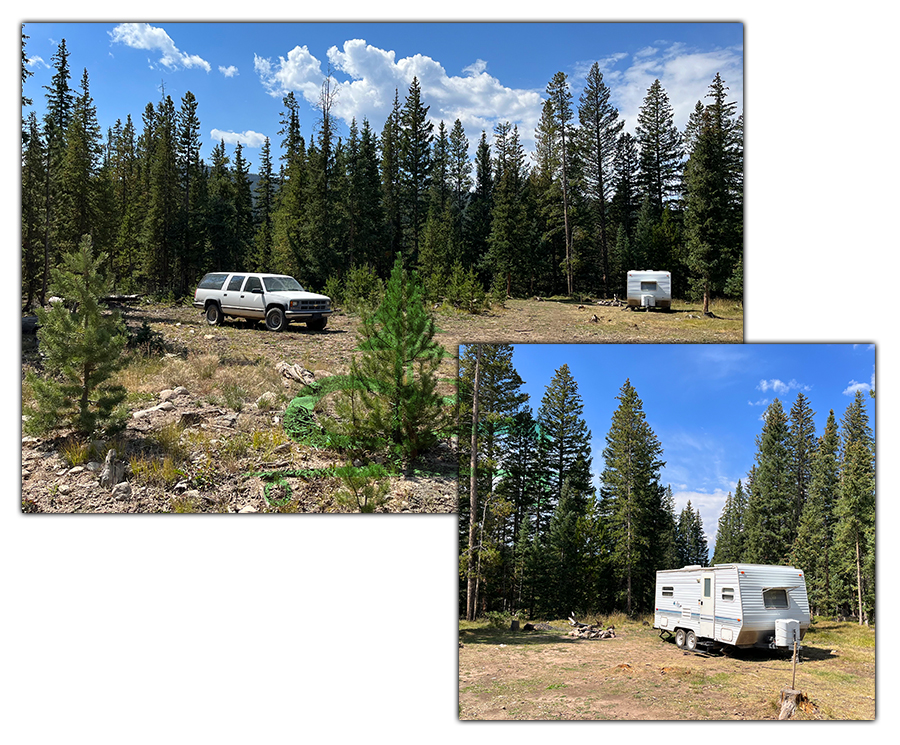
473,492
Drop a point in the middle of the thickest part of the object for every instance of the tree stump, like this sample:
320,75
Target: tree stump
790,700
514,625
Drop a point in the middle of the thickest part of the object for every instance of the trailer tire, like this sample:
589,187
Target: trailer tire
691,641
680,638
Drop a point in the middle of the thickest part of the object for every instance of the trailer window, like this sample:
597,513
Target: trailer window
775,598
668,592
727,593
648,286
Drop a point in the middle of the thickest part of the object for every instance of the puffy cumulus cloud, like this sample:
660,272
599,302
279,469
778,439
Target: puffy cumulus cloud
779,387
247,139
684,73
155,39
229,72
374,75
299,72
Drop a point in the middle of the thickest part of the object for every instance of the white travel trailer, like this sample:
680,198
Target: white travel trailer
742,605
649,289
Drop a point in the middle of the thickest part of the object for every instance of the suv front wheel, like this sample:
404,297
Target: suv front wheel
275,320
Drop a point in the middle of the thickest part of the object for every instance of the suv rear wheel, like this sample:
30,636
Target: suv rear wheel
275,320
214,314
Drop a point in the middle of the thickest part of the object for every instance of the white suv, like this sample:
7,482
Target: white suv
276,298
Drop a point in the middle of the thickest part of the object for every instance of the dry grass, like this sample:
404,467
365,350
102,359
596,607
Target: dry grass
547,675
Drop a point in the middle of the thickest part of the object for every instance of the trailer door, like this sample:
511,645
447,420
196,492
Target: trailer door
708,605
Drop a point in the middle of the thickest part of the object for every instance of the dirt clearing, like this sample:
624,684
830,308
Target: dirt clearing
546,675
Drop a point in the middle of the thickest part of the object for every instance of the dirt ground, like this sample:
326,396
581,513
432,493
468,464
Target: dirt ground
545,675
217,375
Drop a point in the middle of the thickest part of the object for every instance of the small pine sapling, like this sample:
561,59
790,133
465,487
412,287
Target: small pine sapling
81,348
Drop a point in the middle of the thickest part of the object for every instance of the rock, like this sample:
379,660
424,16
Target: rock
191,418
166,394
166,406
122,491
267,399
113,471
94,466
247,509
76,470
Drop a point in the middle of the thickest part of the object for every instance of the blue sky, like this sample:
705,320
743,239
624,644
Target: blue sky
481,73
703,402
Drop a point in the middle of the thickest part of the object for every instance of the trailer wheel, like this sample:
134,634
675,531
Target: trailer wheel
679,638
691,642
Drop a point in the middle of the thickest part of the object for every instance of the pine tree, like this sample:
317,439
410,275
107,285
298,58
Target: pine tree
730,534
598,136
565,553
712,183
477,219
560,102
801,449
566,435
264,201
81,349
509,236
660,148
770,507
33,206
287,248
632,498
191,234
814,550
414,169
690,540
855,508
396,401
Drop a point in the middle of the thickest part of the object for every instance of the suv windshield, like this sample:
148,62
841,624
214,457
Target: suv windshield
282,284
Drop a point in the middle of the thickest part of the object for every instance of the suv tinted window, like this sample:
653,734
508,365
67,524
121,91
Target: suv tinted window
236,281
212,281
253,283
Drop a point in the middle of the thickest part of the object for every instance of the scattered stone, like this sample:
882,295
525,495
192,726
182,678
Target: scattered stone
122,491
113,471
191,418
76,470
247,509
267,399
94,466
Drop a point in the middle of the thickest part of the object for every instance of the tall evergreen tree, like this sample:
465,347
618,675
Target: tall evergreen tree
730,534
560,102
814,550
414,168
855,508
660,148
598,136
801,450
632,499
690,540
264,201
508,238
567,437
33,206
191,220
770,507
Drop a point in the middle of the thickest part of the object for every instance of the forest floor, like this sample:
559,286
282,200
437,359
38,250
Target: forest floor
547,675
208,435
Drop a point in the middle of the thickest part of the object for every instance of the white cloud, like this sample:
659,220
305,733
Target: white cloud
853,386
780,387
477,99
228,72
247,139
761,402
155,39
477,67
36,61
